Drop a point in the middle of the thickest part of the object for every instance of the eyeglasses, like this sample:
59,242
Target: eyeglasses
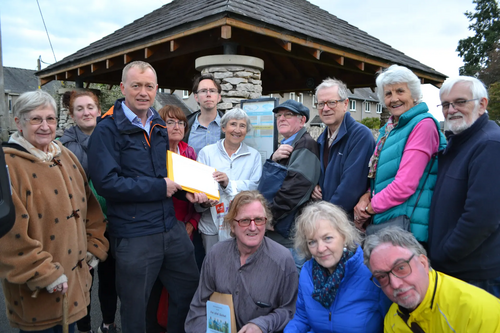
172,123
331,104
457,104
401,270
205,91
287,115
256,220
39,120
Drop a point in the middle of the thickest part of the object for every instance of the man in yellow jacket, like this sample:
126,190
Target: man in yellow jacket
425,300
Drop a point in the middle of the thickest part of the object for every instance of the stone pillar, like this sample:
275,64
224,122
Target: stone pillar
239,77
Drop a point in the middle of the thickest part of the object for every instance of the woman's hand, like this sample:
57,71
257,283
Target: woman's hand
360,213
189,229
250,328
316,193
221,178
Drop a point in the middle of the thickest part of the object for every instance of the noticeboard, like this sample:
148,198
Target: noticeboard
264,134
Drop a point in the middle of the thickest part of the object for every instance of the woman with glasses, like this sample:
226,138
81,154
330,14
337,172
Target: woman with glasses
157,310
59,231
335,291
259,273
402,170
238,168
84,108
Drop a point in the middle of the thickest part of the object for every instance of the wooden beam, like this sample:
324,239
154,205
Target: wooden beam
315,53
422,80
110,86
361,66
339,60
87,85
80,71
148,52
45,80
286,45
94,67
225,32
60,76
109,63
68,75
126,58
174,45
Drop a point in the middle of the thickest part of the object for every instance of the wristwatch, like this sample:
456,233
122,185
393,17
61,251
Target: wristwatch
366,210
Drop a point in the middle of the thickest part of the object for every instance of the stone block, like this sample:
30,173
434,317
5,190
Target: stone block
232,100
226,86
257,88
255,95
259,82
224,106
236,93
234,80
222,75
243,74
245,87
235,68
256,76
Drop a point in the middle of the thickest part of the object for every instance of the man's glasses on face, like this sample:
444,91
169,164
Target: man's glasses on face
331,104
458,104
401,270
246,222
205,91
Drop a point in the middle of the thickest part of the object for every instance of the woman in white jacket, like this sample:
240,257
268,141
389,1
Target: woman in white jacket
239,168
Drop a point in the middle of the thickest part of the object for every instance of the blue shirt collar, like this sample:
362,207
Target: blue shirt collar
135,120
289,141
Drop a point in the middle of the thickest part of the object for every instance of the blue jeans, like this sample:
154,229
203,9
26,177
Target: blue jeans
55,329
492,285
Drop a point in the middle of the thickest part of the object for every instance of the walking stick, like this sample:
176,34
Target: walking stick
65,323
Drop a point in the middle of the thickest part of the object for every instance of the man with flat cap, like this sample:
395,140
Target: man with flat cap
297,162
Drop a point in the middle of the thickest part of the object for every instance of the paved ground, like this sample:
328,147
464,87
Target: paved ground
95,312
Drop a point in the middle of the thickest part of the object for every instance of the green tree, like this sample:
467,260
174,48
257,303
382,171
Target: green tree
494,102
108,96
371,123
475,50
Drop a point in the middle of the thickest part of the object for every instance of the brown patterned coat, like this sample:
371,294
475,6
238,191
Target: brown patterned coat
57,219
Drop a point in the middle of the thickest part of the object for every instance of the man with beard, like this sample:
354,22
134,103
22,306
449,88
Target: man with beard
464,232
425,300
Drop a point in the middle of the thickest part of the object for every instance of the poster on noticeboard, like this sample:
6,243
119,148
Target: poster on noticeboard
264,134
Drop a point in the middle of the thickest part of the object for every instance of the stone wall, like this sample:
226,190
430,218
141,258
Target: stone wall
237,83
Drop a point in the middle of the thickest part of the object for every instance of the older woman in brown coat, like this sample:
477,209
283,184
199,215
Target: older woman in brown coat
59,228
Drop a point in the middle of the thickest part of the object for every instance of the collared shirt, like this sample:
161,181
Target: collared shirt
332,136
201,136
135,120
289,140
222,272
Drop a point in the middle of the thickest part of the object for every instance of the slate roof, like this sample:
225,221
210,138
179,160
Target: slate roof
293,17
364,94
172,99
19,80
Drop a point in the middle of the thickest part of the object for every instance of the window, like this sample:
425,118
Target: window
367,106
379,108
300,98
185,94
352,105
10,103
292,95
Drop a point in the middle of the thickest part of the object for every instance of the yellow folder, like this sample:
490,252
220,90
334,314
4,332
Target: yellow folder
192,176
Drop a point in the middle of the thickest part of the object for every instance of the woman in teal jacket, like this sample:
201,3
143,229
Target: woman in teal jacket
402,171
335,291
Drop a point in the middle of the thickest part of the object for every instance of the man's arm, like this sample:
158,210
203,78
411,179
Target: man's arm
354,178
106,172
302,175
481,215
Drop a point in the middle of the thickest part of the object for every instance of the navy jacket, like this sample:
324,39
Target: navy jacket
464,224
345,179
127,169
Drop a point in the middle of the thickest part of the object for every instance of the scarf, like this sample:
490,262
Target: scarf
326,284
54,149
378,148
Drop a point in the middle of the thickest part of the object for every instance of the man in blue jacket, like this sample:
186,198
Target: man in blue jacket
345,148
464,221
127,164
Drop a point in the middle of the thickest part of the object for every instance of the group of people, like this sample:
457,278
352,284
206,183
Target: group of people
311,241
